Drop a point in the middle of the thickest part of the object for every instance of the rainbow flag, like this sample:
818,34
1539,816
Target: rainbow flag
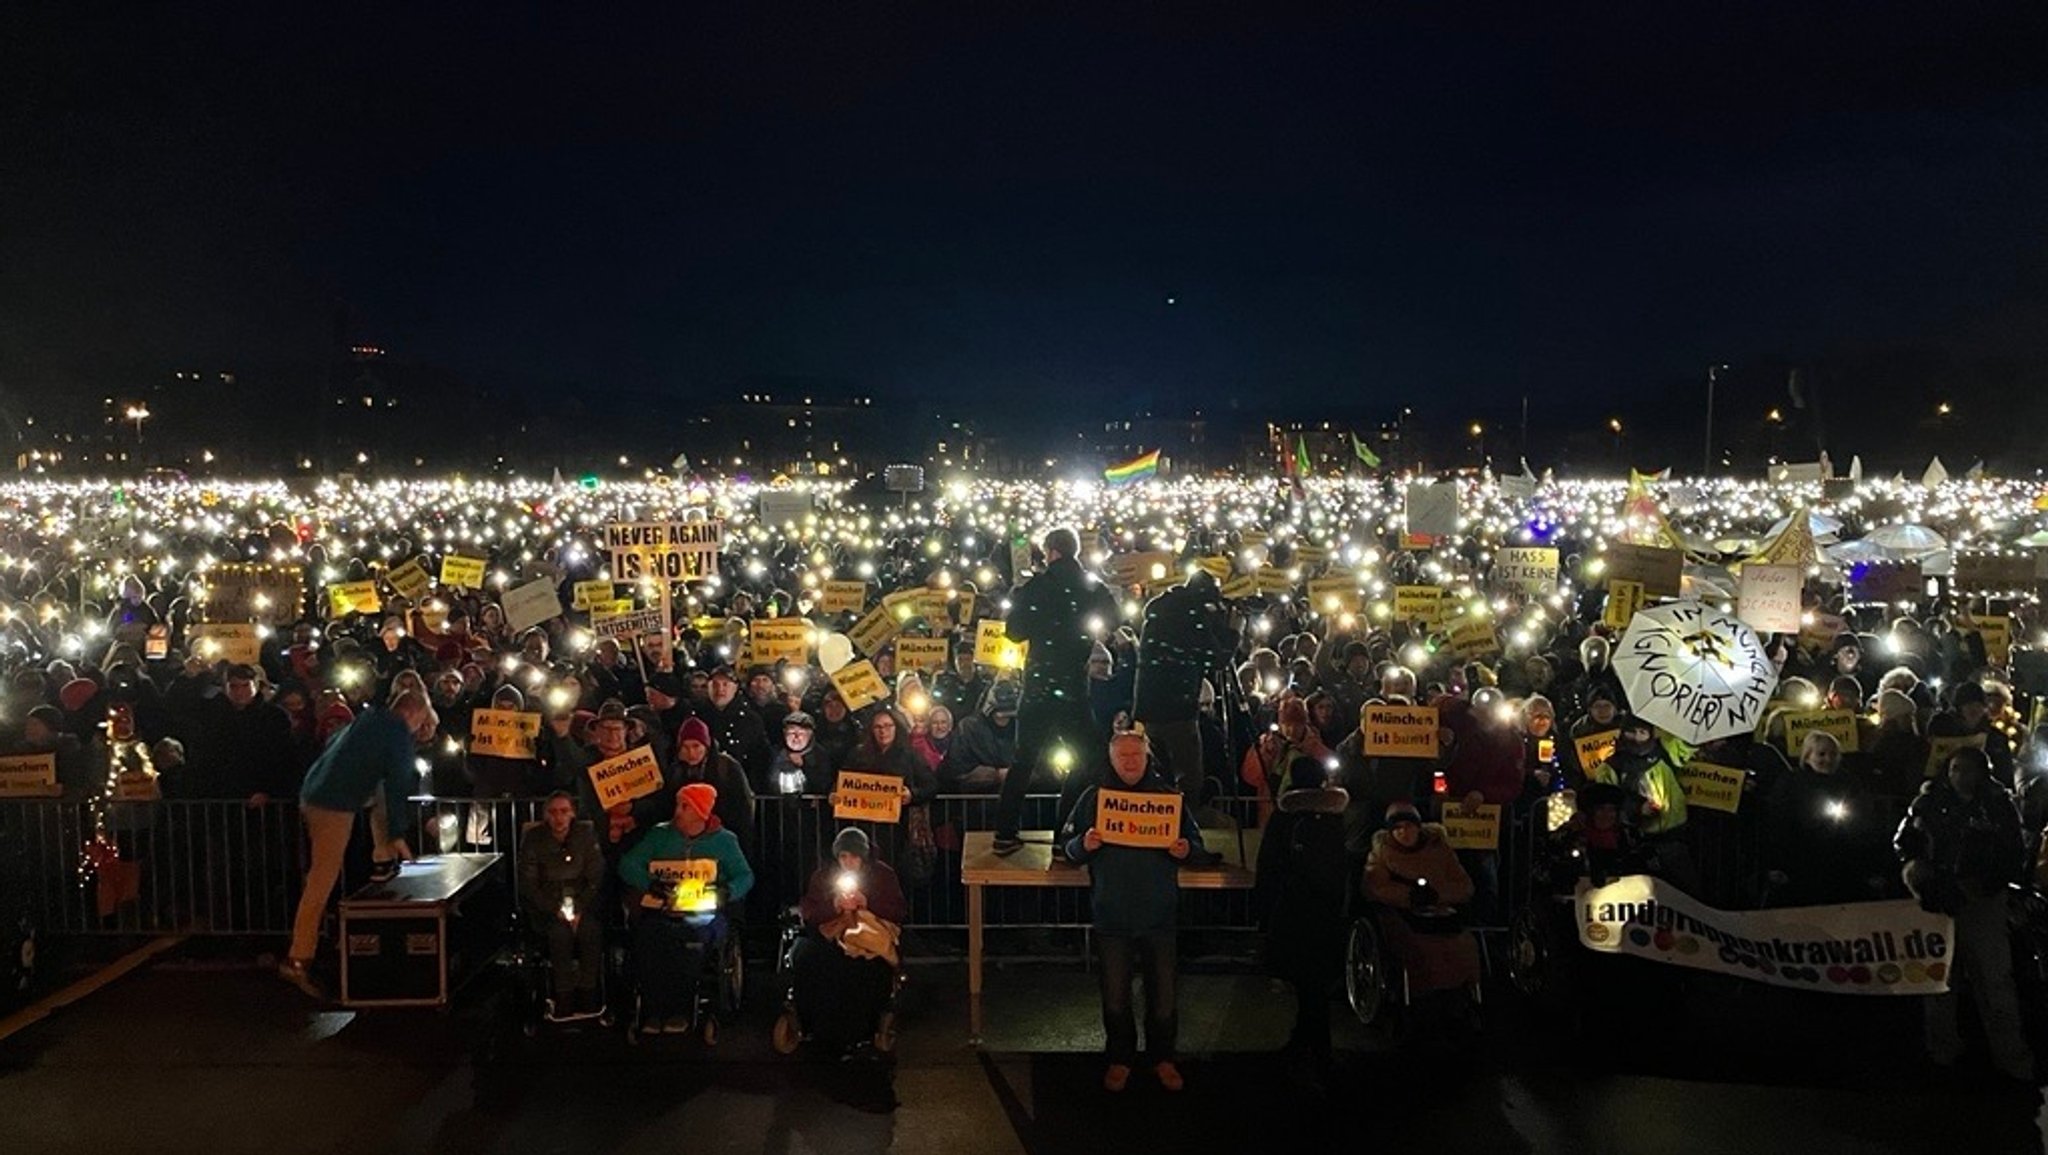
1136,469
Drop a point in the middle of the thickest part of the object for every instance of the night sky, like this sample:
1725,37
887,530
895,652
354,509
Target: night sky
1392,202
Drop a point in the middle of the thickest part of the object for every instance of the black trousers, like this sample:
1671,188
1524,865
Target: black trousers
1043,726
1153,958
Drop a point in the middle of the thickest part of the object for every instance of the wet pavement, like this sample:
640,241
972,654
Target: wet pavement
199,1051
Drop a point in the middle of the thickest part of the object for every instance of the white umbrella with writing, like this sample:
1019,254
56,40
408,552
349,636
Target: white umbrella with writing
1695,672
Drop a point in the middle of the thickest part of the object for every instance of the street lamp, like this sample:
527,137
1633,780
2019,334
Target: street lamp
1707,462
1478,432
138,413
1614,427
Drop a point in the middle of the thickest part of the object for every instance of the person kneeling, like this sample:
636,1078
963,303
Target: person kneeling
845,965
684,871
1137,905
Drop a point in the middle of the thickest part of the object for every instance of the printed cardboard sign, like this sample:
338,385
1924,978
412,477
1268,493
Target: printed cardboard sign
631,624
695,881
1137,818
868,797
411,580
1624,599
29,776
1474,638
922,653
504,733
1472,827
530,604
1525,569
1334,595
634,774
1594,749
1939,750
1130,569
1400,731
1712,787
1273,580
1770,598
237,643
1996,630
780,640
253,592
584,595
346,598
1656,569
463,573
657,550
859,684
1840,724
1240,587
873,631
1419,603
993,647
1432,509
843,597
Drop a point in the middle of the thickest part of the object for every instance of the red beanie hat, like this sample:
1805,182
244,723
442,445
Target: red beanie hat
77,694
701,797
693,730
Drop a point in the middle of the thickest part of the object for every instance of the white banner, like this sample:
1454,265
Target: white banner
1862,948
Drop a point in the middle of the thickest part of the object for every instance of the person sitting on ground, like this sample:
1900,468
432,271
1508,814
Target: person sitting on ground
1136,902
561,875
842,987
683,909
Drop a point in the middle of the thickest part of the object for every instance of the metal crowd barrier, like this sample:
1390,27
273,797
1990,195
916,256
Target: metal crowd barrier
226,868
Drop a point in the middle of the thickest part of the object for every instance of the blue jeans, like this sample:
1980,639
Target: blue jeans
1121,957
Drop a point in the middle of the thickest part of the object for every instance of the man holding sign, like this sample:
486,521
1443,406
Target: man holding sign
1137,835
669,945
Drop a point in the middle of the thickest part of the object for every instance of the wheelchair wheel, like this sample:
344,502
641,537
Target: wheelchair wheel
1365,979
788,1033
1529,960
710,1031
732,977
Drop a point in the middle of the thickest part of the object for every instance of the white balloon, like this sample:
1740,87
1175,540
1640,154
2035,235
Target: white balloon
834,651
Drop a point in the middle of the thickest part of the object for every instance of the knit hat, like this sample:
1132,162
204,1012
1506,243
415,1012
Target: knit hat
77,694
701,797
1399,812
852,840
693,730
798,718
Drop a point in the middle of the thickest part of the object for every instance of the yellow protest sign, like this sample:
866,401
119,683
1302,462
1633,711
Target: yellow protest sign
1137,818
1310,557
936,607
1712,787
1939,750
1839,724
868,797
874,630
780,640
1596,748
634,774
463,573
1273,580
235,642
904,604
1997,634
504,733
1474,638
992,647
921,653
1419,604
1400,731
29,776
601,611
1253,539
695,882
410,580
843,597
1624,598
1130,569
1472,827
584,595
1240,587
354,598
1216,567
859,684
1333,595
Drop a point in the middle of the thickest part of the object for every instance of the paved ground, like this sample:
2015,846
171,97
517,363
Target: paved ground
200,1052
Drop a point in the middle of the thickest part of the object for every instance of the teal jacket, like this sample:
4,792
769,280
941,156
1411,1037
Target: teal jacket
374,750
666,842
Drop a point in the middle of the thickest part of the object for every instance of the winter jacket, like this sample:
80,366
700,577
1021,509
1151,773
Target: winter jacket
878,885
1053,612
550,870
1136,890
1176,649
667,842
374,750
1392,870
1486,756
977,741
1975,840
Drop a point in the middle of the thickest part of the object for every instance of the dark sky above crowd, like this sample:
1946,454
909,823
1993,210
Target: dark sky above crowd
1174,205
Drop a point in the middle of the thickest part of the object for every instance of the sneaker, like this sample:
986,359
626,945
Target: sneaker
676,1025
1116,1078
294,972
383,870
1169,1076
1006,844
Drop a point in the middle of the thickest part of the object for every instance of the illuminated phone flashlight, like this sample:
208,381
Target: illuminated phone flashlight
794,677
847,882
561,698
1836,809
568,908
1062,759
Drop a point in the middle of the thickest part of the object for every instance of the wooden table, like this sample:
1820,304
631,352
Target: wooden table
1034,865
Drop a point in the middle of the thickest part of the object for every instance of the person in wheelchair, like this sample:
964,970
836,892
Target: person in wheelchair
687,873
841,978
561,876
1414,873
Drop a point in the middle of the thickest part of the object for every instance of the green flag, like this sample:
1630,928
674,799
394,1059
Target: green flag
1371,459
1301,462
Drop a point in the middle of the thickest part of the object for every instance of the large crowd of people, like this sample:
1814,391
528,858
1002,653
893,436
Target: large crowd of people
1220,638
